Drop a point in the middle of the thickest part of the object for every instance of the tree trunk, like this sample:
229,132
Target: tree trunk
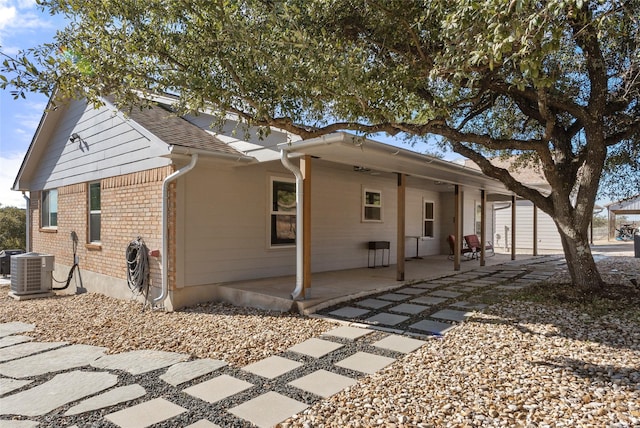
580,262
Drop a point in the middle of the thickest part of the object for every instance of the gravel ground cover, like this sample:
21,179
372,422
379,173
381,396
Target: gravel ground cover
518,363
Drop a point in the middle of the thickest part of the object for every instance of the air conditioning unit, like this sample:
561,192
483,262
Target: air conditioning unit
31,273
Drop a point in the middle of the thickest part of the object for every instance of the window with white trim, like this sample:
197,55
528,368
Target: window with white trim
429,219
95,212
49,209
283,212
371,205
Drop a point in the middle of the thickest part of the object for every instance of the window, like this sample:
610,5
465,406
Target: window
478,219
429,220
94,212
49,209
372,205
283,212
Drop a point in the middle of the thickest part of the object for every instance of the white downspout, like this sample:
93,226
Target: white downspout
165,238
284,157
28,221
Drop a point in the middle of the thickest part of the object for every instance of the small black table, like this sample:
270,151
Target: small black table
375,246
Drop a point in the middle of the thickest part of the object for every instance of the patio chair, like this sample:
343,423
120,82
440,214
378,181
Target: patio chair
465,251
473,242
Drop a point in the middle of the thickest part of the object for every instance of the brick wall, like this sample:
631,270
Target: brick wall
131,206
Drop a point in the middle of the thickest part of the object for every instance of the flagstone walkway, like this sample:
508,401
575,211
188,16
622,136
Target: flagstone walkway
63,385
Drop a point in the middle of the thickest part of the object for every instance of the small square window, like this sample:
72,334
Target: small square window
49,209
372,205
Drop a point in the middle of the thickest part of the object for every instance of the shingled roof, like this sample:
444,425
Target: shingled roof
161,121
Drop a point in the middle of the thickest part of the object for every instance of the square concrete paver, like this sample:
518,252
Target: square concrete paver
428,285
394,297
218,388
203,423
268,409
410,290
429,300
469,305
452,315
373,303
350,333
315,348
408,308
272,367
349,312
387,319
323,383
365,362
399,343
145,414
445,293
433,327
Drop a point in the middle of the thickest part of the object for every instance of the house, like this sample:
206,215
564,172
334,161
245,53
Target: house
216,206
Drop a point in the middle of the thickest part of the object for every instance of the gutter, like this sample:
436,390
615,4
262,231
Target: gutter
28,222
284,157
165,239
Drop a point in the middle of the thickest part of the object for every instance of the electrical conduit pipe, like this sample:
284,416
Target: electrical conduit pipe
284,157
165,237
28,218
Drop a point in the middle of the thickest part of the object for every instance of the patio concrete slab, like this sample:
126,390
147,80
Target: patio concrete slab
429,300
323,383
401,344
373,303
109,398
189,370
272,367
15,327
7,385
145,414
203,423
349,312
218,388
394,297
408,308
452,315
345,332
315,348
385,318
13,340
268,409
365,362
68,357
445,293
139,362
25,349
62,389
410,290
432,327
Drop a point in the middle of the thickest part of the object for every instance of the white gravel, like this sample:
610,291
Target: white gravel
517,364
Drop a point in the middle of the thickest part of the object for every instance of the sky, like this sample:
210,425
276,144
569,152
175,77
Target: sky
22,25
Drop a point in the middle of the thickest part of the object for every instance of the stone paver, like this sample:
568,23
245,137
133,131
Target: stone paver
445,293
68,357
345,332
469,305
315,348
138,362
7,385
18,424
410,290
145,414
394,297
373,303
401,344
268,409
13,340
365,362
109,398
452,315
272,367
189,370
409,308
323,383
25,349
44,398
428,285
203,423
218,388
15,327
386,319
349,312
429,300
433,327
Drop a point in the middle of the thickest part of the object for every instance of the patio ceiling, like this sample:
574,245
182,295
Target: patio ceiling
357,151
